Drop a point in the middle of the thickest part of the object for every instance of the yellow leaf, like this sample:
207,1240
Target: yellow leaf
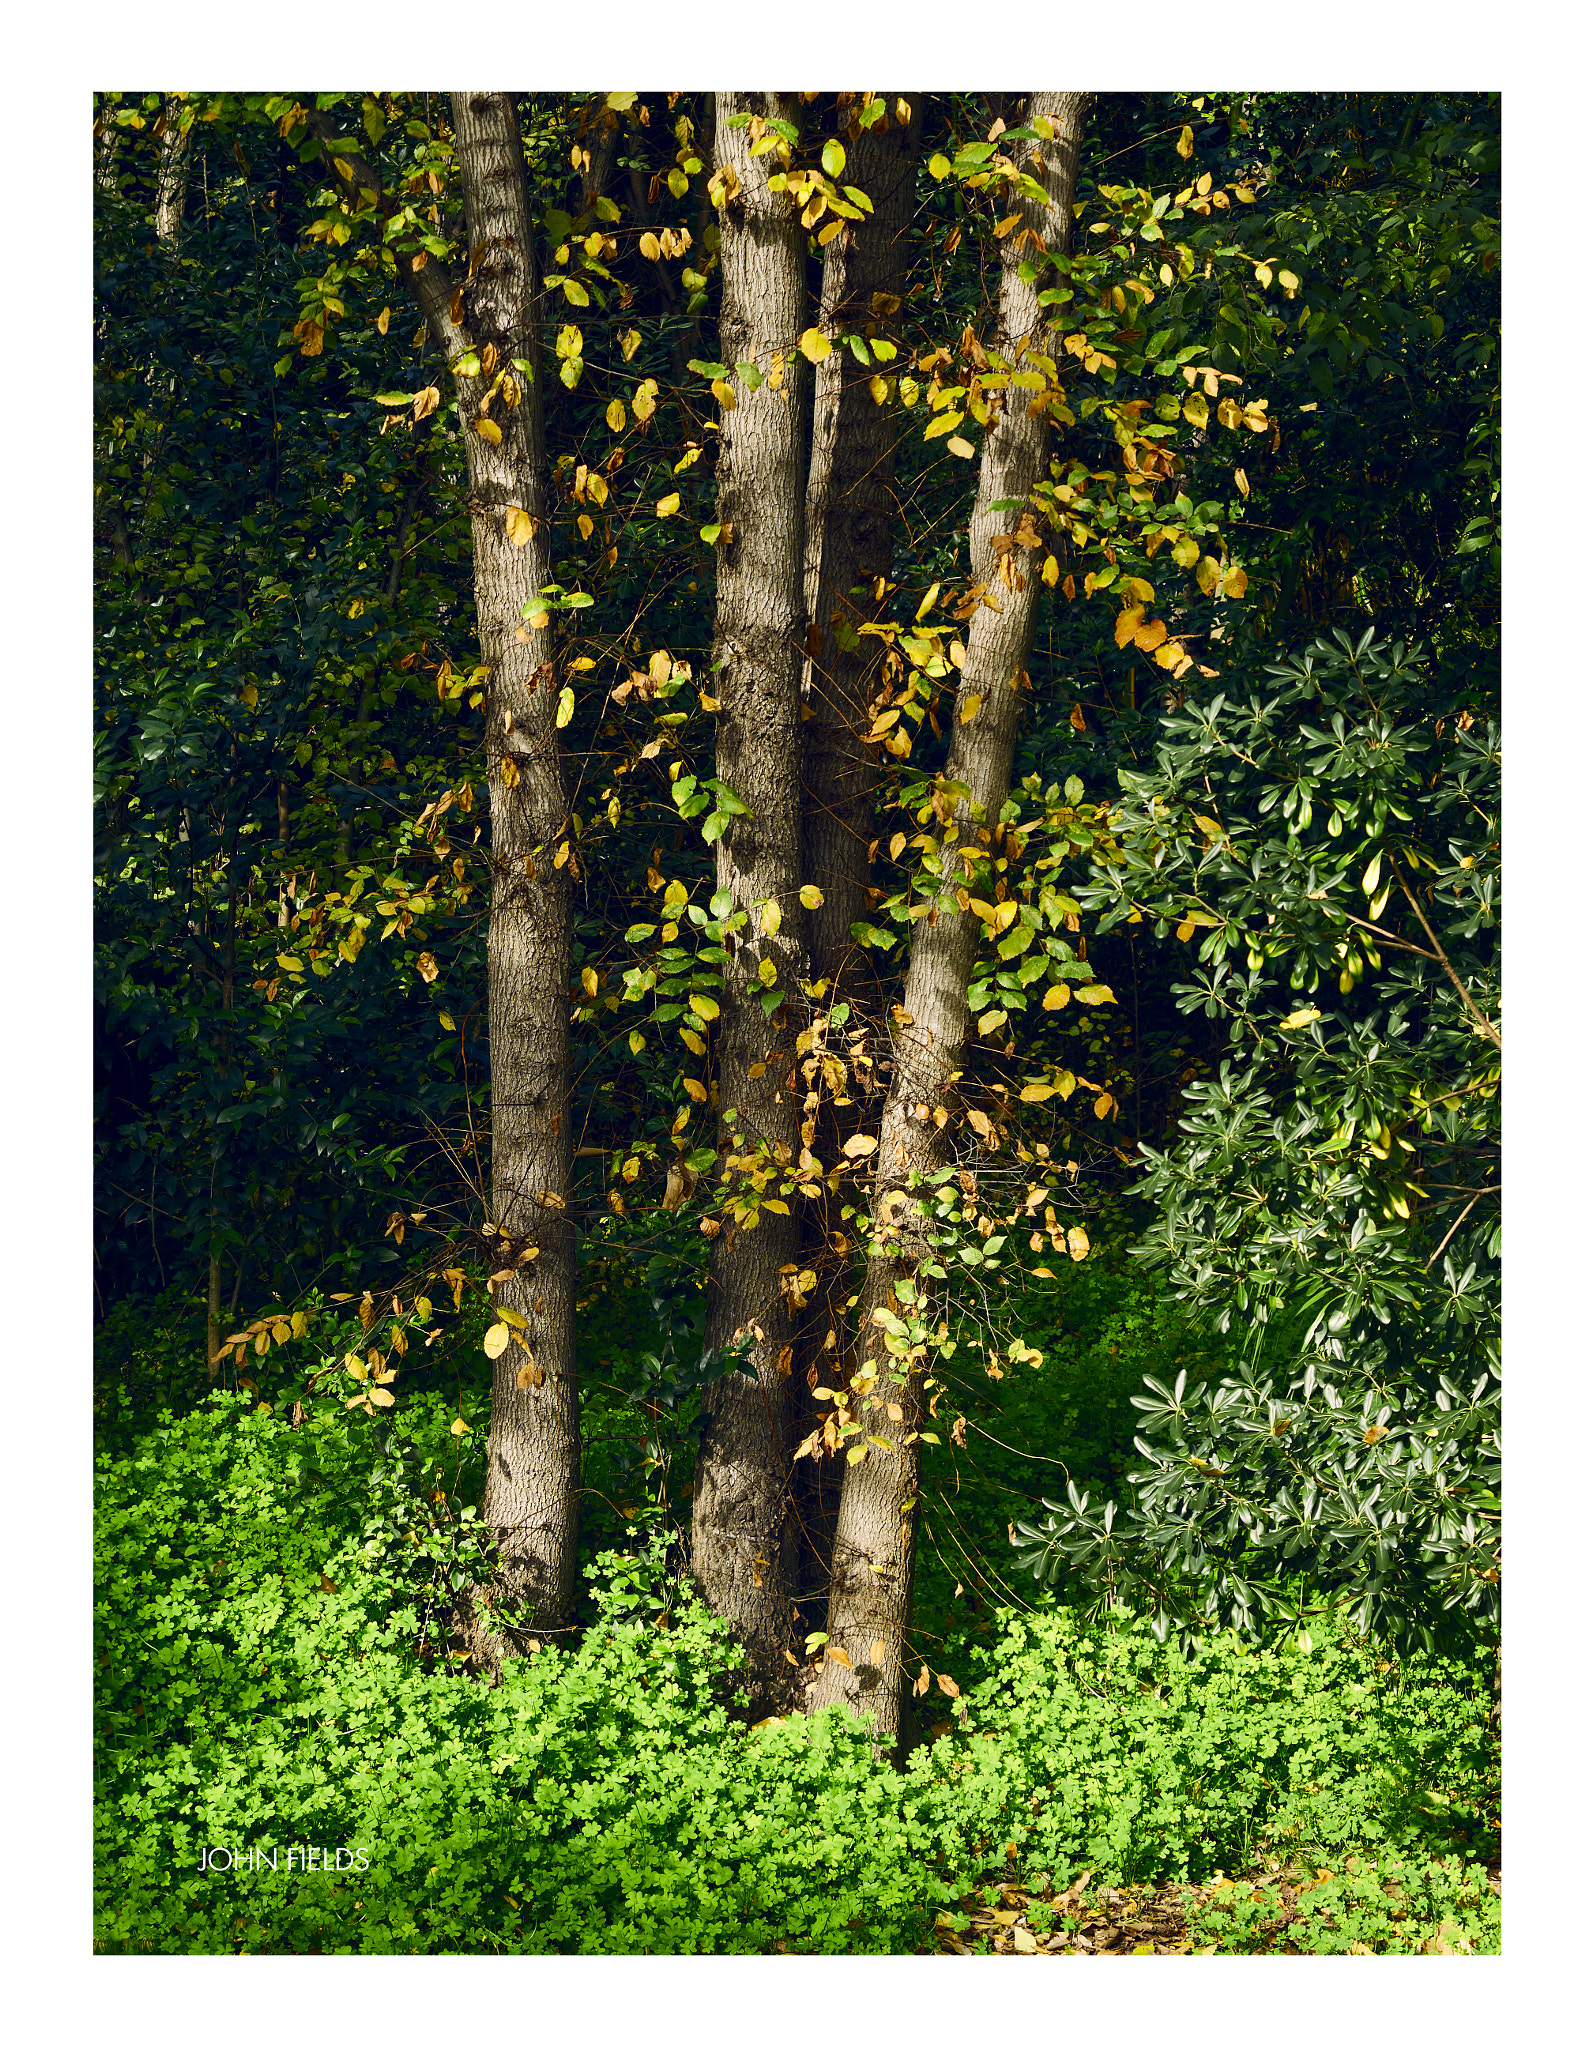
519,525
1236,582
860,1145
695,1090
970,707
630,342
382,319
1186,142
814,345
943,423
290,963
1208,574
703,1006
1078,1242
426,967
1057,996
898,842
770,919
1037,1091
1128,624
1243,482
667,507
589,980
1050,571
649,246
1104,1105
1186,551
489,430
959,446
459,1427
250,695
1094,992
879,388
566,710
1151,635
496,1341
810,896
992,1020
840,1656
981,1123
1004,915
614,413
446,1021
1296,1019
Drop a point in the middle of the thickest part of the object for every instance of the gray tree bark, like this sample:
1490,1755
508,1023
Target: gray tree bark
743,1529
171,183
533,1449
851,529
872,1569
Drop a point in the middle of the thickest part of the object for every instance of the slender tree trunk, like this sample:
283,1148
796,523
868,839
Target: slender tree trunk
851,527
213,1283
533,1450
872,1572
171,183
743,1530
107,140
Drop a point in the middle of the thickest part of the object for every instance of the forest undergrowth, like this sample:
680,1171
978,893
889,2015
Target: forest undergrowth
273,1674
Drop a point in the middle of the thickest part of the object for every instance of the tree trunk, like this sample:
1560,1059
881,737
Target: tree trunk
533,1450
851,526
171,181
872,1573
743,1531
107,139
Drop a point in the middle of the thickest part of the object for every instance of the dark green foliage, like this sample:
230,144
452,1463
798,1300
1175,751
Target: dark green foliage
1331,839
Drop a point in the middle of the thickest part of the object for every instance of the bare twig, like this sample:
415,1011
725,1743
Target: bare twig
1443,960
1449,1233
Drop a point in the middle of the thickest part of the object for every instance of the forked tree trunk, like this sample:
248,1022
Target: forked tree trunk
743,1530
872,1572
851,528
534,1446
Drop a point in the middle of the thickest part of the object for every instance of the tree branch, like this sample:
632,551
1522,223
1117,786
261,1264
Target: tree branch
1443,960
429,286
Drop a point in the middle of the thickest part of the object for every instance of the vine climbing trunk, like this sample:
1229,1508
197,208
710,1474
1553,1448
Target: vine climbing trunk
898,1327
743,1547
851,528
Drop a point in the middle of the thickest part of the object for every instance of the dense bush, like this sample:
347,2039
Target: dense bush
270,1675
